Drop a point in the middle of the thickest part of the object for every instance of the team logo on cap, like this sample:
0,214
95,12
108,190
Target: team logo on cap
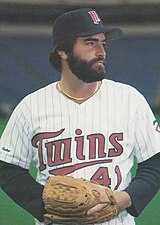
94,16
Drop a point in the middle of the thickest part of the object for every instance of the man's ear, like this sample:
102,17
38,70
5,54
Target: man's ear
62,54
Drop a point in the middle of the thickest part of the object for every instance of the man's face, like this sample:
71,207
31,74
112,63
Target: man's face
87,61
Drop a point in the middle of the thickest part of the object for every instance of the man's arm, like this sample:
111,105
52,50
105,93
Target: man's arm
142,188
144,185
140,191
22,188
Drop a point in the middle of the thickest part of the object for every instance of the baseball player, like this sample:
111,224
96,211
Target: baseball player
83,125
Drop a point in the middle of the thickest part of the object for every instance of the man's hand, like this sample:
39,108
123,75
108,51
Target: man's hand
123,201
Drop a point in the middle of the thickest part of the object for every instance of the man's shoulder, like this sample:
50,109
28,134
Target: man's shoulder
121,88
38,94
43,90
118,84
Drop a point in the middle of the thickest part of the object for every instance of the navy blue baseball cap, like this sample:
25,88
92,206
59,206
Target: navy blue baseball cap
81,23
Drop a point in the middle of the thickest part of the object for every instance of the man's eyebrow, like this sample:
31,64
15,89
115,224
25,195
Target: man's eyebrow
93,39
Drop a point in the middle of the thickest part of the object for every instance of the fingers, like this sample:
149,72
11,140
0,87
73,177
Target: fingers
96,208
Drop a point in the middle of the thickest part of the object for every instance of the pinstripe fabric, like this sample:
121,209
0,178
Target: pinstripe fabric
97,139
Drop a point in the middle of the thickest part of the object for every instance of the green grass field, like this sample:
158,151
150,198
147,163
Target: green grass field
12,214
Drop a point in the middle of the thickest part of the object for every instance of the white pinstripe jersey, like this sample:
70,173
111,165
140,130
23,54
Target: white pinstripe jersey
96,140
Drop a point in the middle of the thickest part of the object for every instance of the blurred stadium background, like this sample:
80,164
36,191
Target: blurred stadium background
25,42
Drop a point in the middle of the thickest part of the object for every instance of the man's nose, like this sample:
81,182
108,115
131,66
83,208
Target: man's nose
101,51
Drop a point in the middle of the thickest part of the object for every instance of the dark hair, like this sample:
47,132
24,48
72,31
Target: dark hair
54,57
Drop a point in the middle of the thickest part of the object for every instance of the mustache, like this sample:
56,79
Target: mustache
97,59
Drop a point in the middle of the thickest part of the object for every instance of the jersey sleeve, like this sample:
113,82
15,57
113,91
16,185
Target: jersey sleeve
146,132
15,144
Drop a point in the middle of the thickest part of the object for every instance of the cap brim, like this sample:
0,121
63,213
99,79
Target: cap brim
111,34
114,33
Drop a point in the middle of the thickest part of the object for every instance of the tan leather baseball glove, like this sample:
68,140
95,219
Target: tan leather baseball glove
68,199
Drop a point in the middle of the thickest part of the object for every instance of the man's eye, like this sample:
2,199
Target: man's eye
94,43
91,43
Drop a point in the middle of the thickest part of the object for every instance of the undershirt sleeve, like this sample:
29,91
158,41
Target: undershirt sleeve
22,188
144,185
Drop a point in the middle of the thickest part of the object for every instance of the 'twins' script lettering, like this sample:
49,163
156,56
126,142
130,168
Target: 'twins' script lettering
58,150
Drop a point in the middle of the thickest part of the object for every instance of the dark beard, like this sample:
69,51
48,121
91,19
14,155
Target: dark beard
84,71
